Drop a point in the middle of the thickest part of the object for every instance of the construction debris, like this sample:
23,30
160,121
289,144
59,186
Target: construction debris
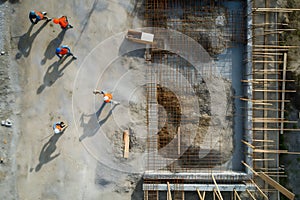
6,123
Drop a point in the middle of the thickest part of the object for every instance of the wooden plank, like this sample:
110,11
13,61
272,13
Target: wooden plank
267,90
273,129
274,46
262,100
258,188
263,140
268,80
126,143
283,88
263,159
220,195
267,61
251,195
169,195
178,141
277,186
275,151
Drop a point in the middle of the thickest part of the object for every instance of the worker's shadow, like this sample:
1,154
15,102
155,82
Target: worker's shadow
56,42
47,150
88,130
26,41
53,73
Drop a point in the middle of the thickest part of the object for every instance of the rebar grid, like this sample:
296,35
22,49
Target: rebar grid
178,147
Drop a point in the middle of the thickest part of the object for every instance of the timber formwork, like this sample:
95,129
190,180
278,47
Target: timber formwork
267,80
264,84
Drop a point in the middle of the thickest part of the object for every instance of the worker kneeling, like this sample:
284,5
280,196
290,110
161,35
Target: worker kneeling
64,50
59,127
107,97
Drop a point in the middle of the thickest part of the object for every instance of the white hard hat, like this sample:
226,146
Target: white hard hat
56,131
105,98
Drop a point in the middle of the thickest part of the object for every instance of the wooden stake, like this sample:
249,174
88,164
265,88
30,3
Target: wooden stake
263,140
258,188
263,159
126,143
274,129
251,195
283,88
267,90
220,196
237,194
200,196
248,144
169,195
275,46
146,195
275,151
178,140
253,171
268,80
267,61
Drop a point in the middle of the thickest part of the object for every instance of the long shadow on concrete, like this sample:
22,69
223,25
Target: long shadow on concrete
53,73
138,191
47,150
56,42
26,41
88,130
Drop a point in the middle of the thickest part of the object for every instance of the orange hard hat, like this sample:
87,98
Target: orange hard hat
56,21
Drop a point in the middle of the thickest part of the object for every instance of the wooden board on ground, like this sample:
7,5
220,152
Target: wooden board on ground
126,143
140,37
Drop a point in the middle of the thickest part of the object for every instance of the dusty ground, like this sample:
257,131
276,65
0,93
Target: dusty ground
54,167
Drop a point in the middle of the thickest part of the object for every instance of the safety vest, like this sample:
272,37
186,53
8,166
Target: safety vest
39,14
108,97
63,22
64,51
58,127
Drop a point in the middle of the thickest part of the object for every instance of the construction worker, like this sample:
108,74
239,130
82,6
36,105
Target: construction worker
36,16
63,22
59,127
64,50
107,97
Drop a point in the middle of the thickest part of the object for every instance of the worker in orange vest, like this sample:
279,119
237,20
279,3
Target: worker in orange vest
64,50
63,22
36,16
107,97
59,127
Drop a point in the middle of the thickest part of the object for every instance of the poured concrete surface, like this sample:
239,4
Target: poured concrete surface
58,166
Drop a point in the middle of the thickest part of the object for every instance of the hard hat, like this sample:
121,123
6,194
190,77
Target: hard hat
56,21
32,12
56,131
57,50
105,98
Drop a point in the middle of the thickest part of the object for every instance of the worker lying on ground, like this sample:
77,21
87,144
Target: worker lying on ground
64,50
36,16
59,127
63,22
107,97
